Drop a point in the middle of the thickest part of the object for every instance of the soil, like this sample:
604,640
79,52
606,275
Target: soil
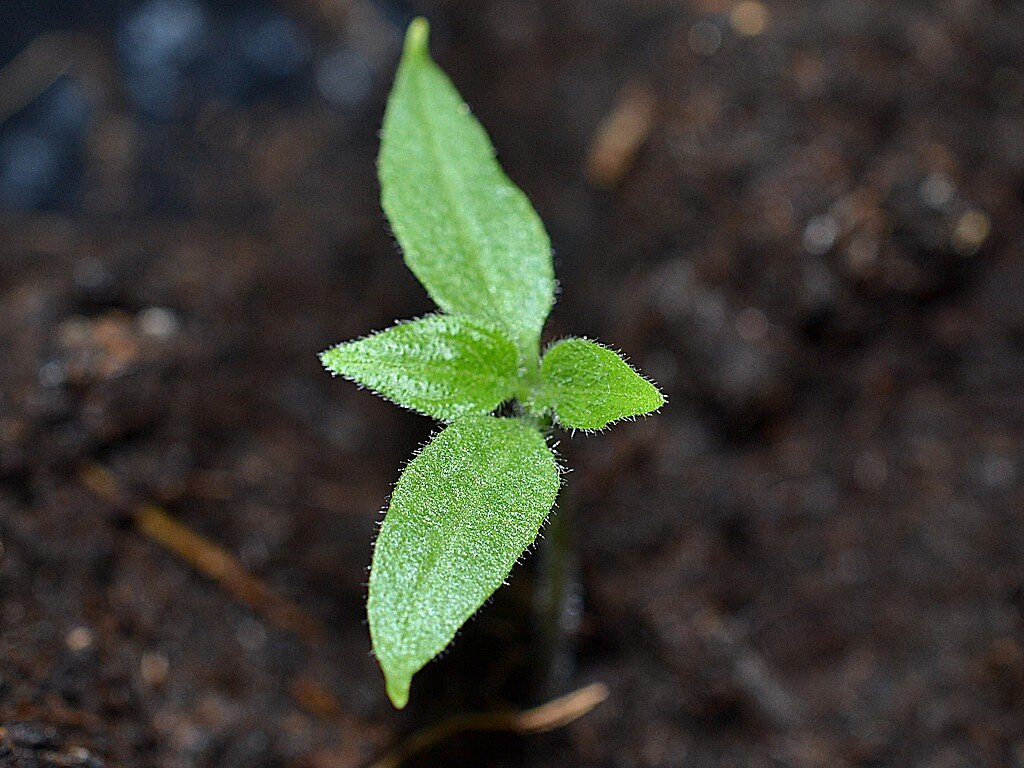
812,557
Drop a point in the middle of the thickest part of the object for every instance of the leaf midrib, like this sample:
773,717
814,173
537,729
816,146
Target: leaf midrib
451,187
463,517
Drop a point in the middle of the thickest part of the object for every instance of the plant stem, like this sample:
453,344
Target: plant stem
557,606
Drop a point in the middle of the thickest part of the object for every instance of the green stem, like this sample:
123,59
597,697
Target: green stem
557,601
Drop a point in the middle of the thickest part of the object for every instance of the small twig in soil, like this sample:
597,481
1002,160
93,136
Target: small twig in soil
52,712
555,714
620,136
205,556
222,567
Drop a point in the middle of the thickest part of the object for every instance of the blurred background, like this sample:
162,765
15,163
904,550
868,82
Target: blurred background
805,220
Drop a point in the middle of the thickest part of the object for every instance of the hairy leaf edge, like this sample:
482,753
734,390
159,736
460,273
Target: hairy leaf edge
407,321
398,690
549,406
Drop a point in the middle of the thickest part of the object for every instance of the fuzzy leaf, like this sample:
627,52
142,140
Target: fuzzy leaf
590,386
468,233
462,513
440,365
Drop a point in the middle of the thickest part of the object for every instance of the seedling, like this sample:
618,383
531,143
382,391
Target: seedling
474,498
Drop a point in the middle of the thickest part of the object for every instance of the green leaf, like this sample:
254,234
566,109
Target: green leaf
462,513
467,232
590,386
441,365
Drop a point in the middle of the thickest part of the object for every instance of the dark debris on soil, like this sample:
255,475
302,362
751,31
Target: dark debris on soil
812,556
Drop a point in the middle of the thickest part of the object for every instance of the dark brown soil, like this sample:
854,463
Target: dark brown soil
812,557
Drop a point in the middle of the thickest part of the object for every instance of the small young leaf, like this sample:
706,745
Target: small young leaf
589,386
462,513
468,233
440,365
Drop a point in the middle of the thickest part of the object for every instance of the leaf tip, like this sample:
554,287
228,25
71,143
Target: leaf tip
397,685
656,400
417,37
325,358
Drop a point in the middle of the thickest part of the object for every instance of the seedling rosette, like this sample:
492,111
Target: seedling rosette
474,498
